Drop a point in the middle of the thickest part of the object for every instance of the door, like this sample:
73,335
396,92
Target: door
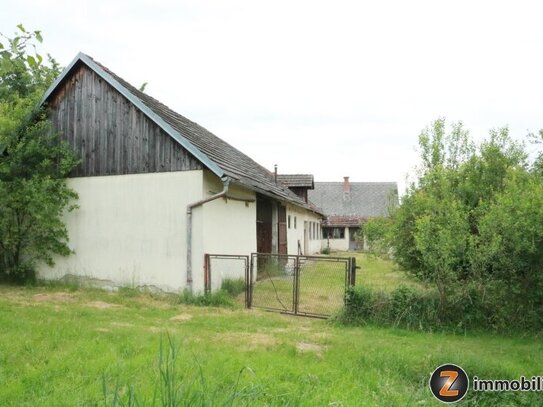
282,230
263,226
353,242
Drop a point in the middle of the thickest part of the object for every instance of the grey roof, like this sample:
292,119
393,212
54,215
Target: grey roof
366,199
217,155
296,180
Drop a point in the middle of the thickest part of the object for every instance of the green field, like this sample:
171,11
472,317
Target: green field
60,346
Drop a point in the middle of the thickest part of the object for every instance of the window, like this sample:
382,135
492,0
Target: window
333,233
288,221
295,222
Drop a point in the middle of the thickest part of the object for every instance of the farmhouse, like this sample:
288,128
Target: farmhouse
346,205
157,191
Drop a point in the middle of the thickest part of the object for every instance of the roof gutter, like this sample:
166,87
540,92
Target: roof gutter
190,207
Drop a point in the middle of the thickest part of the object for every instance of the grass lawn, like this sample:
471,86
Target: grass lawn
378,273
58,347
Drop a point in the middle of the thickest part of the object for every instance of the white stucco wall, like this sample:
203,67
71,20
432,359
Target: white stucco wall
130,230
229,227
295,234
337,244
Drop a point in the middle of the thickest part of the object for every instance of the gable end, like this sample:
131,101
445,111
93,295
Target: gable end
108,132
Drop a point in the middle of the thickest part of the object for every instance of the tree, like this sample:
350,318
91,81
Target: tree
455,226
33,162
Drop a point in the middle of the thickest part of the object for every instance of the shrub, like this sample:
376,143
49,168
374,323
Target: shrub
326,251
470,308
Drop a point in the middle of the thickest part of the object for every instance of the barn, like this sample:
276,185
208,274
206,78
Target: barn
157,191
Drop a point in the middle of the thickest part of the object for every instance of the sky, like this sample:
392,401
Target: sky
335,88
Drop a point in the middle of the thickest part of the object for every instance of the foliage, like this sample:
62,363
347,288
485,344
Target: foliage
33,163
377,233
412,308
473,221
325,251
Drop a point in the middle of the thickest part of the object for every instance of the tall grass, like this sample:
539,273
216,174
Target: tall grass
178,386
220,298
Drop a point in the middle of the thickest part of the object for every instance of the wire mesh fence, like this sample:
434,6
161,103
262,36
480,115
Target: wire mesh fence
302,285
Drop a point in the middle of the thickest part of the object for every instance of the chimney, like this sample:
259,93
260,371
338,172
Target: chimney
275,175
346,185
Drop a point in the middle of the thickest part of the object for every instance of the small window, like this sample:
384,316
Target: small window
288,221
295,222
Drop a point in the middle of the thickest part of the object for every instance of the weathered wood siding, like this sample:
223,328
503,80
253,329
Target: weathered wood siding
109,134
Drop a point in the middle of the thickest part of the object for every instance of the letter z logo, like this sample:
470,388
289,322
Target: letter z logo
449,383
446,391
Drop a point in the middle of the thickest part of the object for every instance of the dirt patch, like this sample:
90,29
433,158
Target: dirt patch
101,305
122,324
54,297
181,318
102,330
155,329
248,341
306,347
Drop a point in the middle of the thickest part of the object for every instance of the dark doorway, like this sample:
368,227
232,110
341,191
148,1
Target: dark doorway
263,225
354,244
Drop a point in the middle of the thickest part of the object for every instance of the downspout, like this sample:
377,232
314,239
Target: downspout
226,185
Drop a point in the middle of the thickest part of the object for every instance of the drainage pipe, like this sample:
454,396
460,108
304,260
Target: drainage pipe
226,185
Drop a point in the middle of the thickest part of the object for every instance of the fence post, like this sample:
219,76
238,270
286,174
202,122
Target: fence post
249,283
352,272
296,288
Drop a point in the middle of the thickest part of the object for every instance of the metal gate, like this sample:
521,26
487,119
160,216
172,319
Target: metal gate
219,268
300,285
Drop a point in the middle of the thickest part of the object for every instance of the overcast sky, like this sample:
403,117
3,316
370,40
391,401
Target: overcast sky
330,88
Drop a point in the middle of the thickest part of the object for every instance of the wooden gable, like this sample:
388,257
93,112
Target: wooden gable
109,134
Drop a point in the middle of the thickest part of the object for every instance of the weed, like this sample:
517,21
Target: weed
220,298
233,287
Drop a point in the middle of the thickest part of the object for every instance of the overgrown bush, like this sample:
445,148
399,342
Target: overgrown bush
422,310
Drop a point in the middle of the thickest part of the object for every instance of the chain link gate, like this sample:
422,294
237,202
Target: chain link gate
300,285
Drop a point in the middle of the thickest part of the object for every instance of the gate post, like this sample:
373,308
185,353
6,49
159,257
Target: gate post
249,282
352,272
296,288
